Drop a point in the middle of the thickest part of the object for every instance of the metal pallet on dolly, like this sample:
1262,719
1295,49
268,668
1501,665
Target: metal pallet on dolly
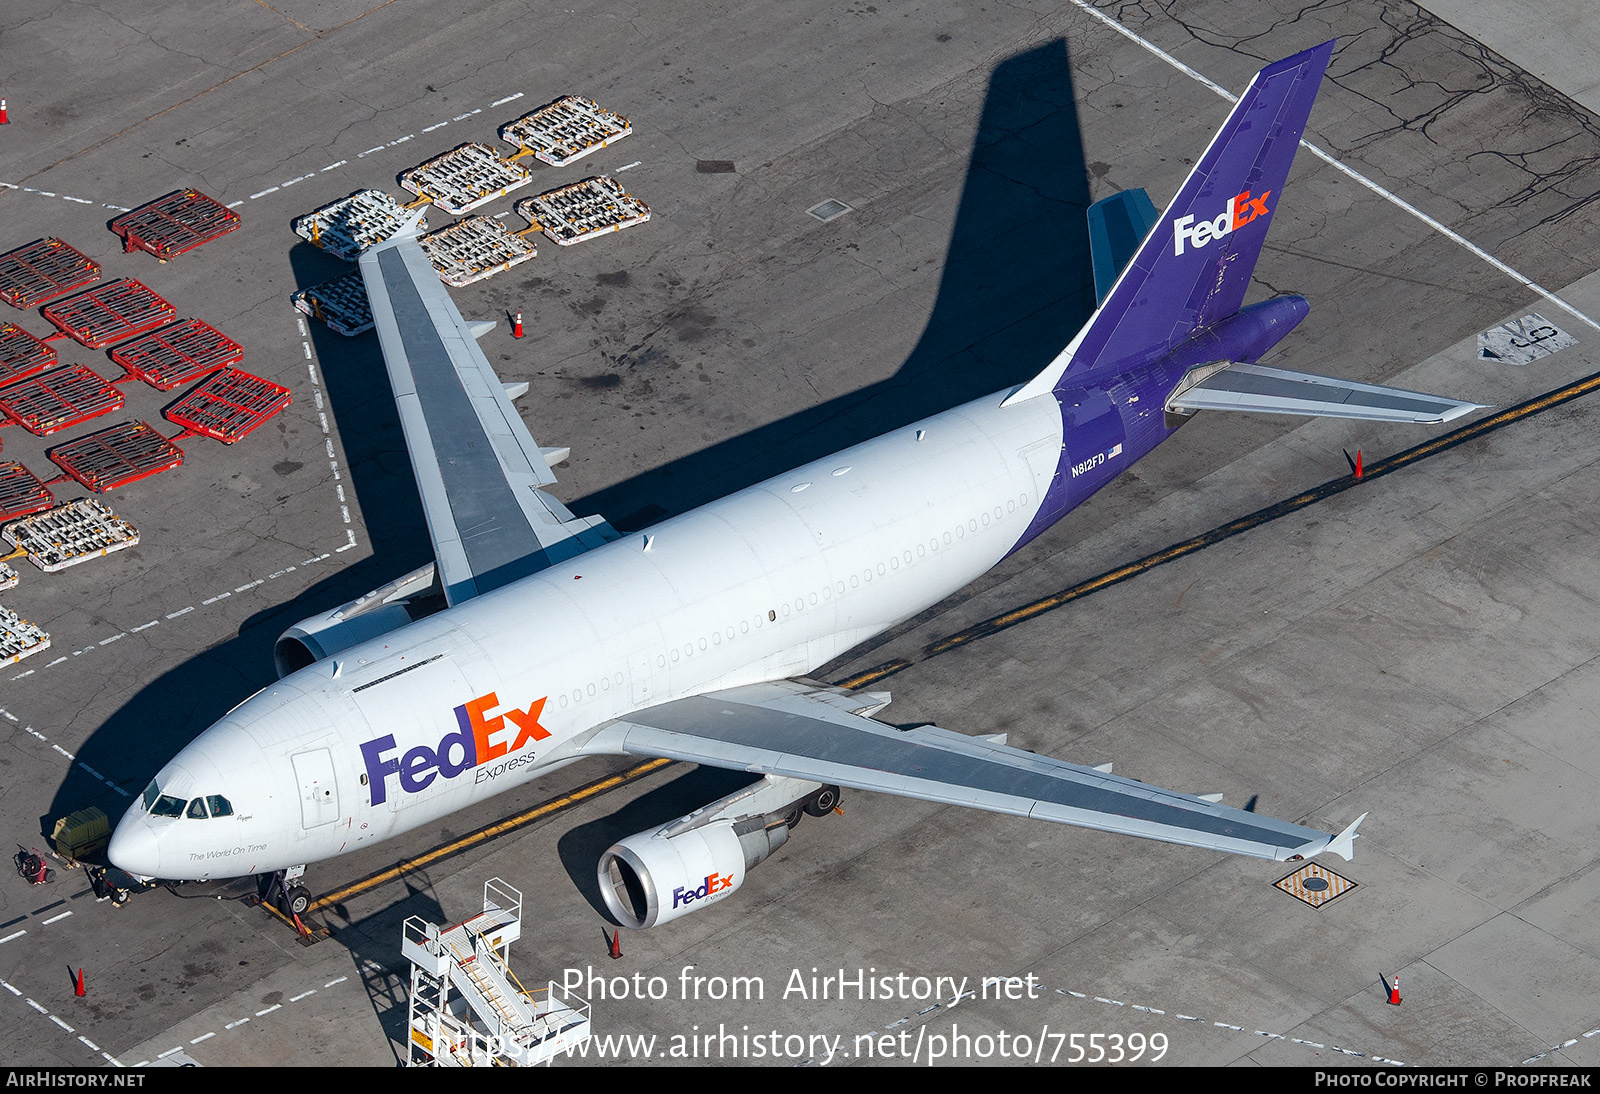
117,456
19,638
59,399
228,406
583,210
21,492
8,577
43,270
350,225
171,225
175,355
21,354
566,130
114,311
464,178
341,303
70,534
473,249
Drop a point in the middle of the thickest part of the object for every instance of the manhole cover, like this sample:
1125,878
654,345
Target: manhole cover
1314,884
829,209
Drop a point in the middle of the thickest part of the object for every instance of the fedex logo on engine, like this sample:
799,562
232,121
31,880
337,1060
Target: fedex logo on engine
1239,212
475,743
714,883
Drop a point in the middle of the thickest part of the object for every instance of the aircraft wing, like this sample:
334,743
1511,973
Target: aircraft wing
477,467
811,731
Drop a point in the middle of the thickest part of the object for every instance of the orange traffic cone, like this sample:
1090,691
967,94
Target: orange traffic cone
80,993
1394,991
616,944
516,328
1358,463
3,118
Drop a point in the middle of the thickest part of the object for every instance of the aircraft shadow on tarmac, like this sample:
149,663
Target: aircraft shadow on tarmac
1017,284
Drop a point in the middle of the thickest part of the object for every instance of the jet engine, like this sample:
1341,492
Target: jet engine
653,877
384,609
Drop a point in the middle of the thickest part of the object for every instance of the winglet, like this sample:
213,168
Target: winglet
1344,844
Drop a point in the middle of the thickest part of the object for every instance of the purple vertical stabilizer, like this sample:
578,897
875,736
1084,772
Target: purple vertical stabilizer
1194,267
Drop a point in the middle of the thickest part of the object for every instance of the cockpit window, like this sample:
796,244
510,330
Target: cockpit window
197,809
168,806
151,793
220,806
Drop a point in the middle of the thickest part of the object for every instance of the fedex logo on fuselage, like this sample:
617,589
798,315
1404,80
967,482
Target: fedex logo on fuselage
1239,212
475,743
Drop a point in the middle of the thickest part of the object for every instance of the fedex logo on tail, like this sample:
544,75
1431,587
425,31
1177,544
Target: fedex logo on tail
477,742
1239,212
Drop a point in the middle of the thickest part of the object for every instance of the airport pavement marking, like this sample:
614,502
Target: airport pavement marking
238,1022
327,436
1067,993
491,831
63,197
1376,469
350,541
57,1020
1327,158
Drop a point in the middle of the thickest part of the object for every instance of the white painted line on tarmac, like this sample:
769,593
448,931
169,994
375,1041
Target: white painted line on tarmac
264,193
269,1010
431,128
235,204
331,166
1387,195
144,626
232,1025
300,178
8,938
62,1024
302,995
507,99
202,1037
53,918
629,166
88,1042
180,611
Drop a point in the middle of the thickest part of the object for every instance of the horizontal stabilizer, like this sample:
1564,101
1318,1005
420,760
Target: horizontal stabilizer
1279,391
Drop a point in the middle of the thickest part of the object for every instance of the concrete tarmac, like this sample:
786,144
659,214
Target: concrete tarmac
1420,647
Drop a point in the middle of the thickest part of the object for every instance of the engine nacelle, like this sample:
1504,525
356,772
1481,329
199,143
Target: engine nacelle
377,613
654,877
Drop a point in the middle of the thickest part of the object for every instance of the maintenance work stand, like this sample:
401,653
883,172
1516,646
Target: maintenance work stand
468,1008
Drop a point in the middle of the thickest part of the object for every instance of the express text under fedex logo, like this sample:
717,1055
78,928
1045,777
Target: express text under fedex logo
480,740
1239,212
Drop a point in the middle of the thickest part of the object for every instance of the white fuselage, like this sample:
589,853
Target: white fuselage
768,583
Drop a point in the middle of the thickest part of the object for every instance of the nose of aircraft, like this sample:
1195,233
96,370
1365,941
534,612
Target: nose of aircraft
134,848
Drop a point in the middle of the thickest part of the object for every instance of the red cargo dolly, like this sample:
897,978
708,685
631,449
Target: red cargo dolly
117,456
58,399
228,406
109,314
21,354
175,355
171,225
21,492
43,270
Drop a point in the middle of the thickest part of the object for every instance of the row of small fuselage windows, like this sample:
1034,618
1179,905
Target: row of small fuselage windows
904,560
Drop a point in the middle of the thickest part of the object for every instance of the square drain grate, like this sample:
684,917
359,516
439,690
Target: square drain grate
1316,885
829,209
